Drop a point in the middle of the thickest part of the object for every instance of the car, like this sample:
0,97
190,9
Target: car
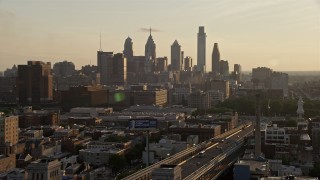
201,154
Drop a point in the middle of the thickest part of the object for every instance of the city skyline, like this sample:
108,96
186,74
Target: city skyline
282,35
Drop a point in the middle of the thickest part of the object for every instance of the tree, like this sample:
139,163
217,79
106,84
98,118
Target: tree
113,138
197,113
290,122
216,110
315,172
241,105
117,162
6,111
135,152
285,160
78,147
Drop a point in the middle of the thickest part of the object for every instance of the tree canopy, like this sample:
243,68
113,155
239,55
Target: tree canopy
117,163
274,107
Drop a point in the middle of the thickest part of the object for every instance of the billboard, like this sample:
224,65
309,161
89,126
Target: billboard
142,124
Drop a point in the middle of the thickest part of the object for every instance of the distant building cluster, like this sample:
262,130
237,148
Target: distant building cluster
265,78
59,122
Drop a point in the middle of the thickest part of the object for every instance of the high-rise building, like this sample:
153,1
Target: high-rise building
221,86
64,69
161,64
34,82
128,54
199,100
279,80
139,64
157,97
188,63
150,55
201,54
150,48
128,49
215,60
81,96
224,68
237,72
180,93
9,129
215,97
112,68
175,56
118,74
8,89
102,61
181,61
261,76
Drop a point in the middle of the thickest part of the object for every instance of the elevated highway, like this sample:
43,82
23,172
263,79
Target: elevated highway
216,158
188,158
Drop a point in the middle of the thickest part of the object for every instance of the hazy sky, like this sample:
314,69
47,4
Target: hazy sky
280,34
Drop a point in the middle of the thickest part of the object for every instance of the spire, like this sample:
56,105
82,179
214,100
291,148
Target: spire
150,31
100,42
175,43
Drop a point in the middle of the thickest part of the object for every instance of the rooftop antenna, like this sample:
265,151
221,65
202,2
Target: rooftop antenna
100,42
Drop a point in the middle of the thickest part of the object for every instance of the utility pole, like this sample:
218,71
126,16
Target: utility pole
257,129
148,150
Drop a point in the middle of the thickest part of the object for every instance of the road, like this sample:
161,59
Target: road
197,161
185,154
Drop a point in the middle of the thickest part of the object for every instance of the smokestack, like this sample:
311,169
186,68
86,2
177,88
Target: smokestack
257,131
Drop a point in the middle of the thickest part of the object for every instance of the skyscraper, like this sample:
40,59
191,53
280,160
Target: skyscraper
102,61
34,82
162,63
64,69
188,63
181,61
112,68
237,72
117,75
150,55
215,60
175,56
128,50
201,55
128,54
224,68
150,48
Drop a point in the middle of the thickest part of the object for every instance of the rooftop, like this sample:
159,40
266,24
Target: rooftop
255,166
